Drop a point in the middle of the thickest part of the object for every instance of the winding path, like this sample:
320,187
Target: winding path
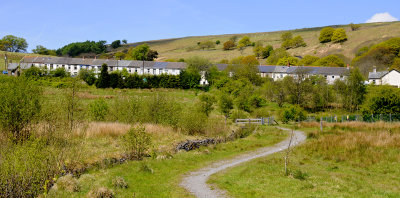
195,182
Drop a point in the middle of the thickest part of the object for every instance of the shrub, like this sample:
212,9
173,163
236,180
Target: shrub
119,182
326,34
116,44
137,142
98,109
293,113
228,45
101,192
339,35
354,27
68,183
20,103
330,61
193,122
28,168
382,100
239,114
206,103
298,174
257,101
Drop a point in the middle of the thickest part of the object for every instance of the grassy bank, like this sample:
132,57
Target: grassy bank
160,176
346,160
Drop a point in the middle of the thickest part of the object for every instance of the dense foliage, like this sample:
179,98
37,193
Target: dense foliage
12,43
75,49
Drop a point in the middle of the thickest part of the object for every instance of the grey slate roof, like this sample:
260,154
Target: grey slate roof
377,75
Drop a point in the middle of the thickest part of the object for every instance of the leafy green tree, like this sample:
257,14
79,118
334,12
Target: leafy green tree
74,49
228,45
20,103
197,64
287,44
124,41
104,79
277,54
33,72
44,51
352,90
87,75
119,55
241,47
286,36
151,55
288,61
293,113
207,44
257,50
116,44
266,52
298,42
382,100
59,72
233,38
206,103
217,42
326,35
225,104
354,27
245,41
308,60
139,52
330,61
339,36
12,43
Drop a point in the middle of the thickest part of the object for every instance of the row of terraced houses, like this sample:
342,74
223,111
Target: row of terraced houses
74,65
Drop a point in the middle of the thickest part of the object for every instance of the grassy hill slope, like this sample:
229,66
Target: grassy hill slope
367,35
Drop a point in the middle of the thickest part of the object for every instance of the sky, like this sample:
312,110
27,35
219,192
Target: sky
55,23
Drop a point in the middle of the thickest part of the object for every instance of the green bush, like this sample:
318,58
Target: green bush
20,103
382,100
293,113
137,142
339,35
27,169
326,34
98,109
193,122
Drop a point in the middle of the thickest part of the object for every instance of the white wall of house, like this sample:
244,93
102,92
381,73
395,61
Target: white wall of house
392,78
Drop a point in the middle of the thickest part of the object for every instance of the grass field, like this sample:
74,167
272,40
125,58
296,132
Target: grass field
367,35
346,160
160,177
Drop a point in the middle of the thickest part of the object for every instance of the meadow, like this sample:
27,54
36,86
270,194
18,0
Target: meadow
345,160
368,35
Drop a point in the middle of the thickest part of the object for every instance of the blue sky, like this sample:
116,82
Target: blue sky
56,23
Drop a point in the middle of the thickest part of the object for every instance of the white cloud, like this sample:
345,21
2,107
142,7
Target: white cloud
381,17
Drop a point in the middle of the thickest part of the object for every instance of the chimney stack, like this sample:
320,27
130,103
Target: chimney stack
374,69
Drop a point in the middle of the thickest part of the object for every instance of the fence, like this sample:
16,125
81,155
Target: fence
260,121
360,118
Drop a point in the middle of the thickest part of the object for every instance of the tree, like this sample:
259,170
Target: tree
382,100
87,75
20,102
124,41
137,142
217,42
228,45
245,41
266,52
104,79
119,55
352,90
354,27
44,51
74,49
326,34
207,44
277,54
241,47
286,36
298,42
142,52
288,61
225,104
339,36
151,55
287,44
12,43
206,103
330,61
258,51
116,44
308,60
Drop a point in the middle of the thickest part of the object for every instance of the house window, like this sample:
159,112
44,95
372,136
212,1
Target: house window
51,66
373,81
281,76
333,76
135,70
129,70
75,67
63,66
325,76
341,76
148,71
98,67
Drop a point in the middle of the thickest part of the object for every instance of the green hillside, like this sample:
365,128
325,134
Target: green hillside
367,35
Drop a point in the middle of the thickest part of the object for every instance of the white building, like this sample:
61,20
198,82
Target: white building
391,77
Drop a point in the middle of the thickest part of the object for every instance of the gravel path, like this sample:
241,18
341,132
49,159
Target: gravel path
195,182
